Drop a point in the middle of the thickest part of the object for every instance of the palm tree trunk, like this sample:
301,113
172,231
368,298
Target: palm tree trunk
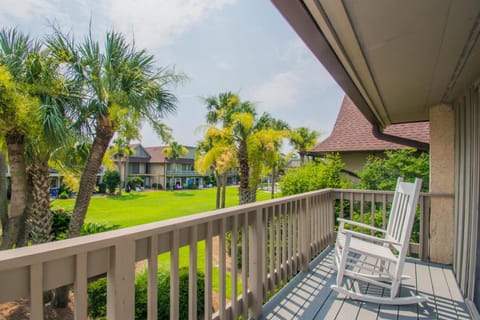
41,220
246,195
24,231
15,146
87,181
174,166
120,169
218,183
224,189
302,158
3,192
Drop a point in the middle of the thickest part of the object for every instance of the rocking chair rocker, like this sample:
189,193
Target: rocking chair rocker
378,260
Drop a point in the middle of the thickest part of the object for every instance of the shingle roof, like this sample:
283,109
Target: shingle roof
156,154
353,132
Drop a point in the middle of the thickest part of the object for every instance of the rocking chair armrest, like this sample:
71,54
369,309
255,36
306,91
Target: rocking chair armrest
361,225
351,233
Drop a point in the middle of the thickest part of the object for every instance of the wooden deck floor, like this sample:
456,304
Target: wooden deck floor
308,296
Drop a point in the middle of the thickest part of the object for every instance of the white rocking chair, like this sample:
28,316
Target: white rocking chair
378,260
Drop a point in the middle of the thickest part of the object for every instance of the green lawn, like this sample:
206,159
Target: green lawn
136,208
143,207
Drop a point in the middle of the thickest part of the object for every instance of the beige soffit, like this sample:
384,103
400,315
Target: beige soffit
333,20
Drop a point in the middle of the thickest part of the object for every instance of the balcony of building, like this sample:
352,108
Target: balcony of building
285,243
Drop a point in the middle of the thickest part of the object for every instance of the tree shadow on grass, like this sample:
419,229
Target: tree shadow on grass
128,197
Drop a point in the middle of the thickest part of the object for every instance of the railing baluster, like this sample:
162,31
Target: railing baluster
208,271
245,271
278,255
384,211
192,274
80,287
306,236
362,201
223,270
295,236
351,205
290,239
284,243
152,285
36,291
341,205
264,246
174,264
271,262
234,272
372,217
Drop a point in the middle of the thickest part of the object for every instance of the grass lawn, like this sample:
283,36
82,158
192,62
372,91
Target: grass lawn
136,208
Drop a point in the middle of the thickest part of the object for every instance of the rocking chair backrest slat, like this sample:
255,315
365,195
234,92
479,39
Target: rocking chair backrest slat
402,214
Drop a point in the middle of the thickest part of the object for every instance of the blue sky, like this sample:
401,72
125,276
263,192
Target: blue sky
244,46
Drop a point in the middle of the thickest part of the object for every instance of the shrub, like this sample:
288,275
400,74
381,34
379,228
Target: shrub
64,195
97,295
97,298
315,176
60,220
102,187
381,173
193,186
93,227
135,181
112,179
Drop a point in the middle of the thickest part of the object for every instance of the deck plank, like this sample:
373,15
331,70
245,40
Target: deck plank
427,310
309,296
457,299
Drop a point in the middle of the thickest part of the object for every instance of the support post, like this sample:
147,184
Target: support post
256,265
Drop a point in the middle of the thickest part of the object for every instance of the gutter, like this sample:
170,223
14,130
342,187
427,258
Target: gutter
377,133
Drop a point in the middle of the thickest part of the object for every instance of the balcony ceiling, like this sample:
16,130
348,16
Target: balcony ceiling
393,58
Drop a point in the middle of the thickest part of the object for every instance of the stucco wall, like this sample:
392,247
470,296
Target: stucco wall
442,168
354,161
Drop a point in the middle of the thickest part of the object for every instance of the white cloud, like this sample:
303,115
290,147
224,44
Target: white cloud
281,91
224,66
27,9
156,23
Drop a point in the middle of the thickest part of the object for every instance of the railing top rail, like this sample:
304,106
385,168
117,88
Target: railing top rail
68,247
382,192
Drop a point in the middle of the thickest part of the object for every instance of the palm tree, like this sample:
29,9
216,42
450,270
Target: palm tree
303,139
121,151
173,152
18,117
56,98
215,152
120,85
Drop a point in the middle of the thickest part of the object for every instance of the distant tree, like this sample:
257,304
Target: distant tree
241,118
381,173
120,151
303,139
215,153
173,152
314,176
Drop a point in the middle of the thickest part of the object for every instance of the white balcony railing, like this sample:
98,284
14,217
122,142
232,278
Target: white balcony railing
278,238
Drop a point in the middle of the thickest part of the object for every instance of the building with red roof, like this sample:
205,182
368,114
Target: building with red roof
355,138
